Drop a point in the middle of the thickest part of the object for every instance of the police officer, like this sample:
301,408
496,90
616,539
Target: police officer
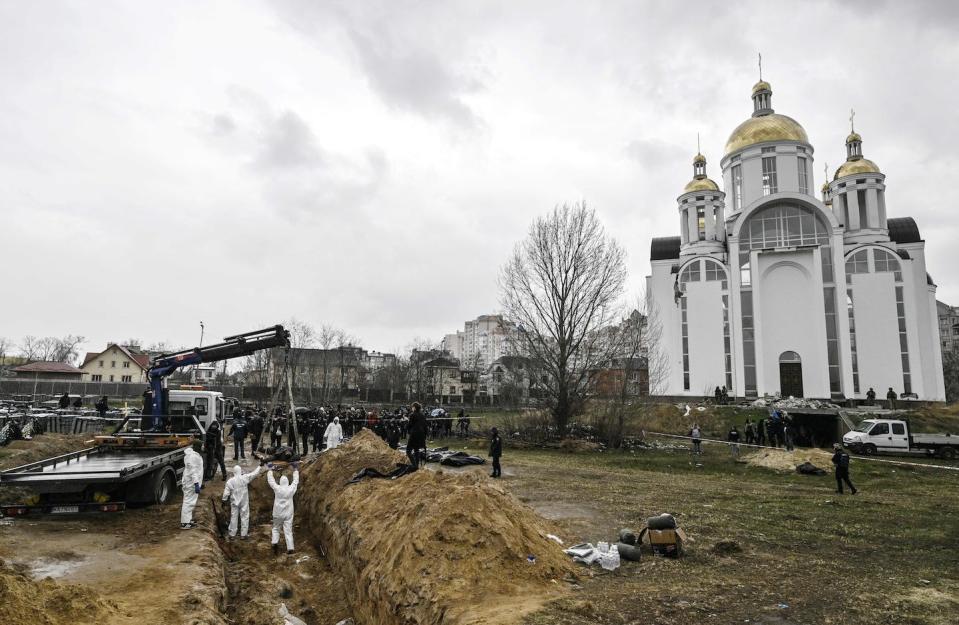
841,459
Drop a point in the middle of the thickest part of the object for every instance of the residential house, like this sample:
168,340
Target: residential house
117,363
42,370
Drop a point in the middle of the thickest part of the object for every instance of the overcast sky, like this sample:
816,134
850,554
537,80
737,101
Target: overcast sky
370,165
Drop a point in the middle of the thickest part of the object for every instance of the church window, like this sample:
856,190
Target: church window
857,263
701,222
737,187
863,215
882,208
903,341
803,182
685,328
886,262
769,175
852,341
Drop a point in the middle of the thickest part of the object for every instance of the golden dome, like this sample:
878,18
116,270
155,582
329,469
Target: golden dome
772,127
762,85
825,187
858,166
699,158
701,184
853,136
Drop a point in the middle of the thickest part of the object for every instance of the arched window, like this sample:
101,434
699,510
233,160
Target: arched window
789,356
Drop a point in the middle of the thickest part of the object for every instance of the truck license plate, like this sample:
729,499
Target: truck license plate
65,509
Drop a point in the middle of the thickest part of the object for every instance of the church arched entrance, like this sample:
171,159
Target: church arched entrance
790,374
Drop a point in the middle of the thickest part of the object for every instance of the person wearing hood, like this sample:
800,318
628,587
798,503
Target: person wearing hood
417,435
283,508
237,492
333,434
192,482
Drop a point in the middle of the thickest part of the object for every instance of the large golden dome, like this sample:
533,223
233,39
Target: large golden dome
701,184
858,166
772,127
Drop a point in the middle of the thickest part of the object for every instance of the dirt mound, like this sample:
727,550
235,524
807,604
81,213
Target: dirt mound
45,602
40,447
786,461
430,547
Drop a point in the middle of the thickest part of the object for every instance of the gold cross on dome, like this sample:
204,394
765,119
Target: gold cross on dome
852,123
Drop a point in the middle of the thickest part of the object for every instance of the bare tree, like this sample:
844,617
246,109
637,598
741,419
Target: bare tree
5,345
51,348
560,287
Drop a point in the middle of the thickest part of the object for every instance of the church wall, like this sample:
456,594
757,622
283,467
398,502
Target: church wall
877,333
788,305
706,351
660,291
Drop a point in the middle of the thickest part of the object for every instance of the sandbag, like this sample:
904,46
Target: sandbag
627,536
628,552
664,521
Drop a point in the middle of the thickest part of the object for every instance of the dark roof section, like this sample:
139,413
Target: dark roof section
904,230
664,248
47,367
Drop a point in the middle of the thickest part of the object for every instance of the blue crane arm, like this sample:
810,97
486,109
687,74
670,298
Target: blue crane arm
231,347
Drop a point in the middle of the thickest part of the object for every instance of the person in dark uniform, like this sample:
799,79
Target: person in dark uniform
78,402
417,438
64,401
495,452
276,430
238,432
870,397
305,426
841,459
102,406
255,425
213,451
891,397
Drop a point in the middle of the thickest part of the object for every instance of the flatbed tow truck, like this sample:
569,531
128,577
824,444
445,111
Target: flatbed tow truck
142,461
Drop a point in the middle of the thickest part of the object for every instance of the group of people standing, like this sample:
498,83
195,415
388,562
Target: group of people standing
236,493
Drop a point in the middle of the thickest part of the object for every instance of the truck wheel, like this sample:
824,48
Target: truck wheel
164,486
947,453
869,450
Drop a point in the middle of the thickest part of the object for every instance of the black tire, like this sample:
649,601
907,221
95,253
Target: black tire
947,453
869,450
164,486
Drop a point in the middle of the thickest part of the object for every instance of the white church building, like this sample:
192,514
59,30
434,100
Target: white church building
768,290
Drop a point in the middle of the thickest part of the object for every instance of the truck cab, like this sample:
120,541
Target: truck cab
206,405
875,435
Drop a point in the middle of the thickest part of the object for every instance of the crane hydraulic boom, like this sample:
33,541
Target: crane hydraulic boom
231,347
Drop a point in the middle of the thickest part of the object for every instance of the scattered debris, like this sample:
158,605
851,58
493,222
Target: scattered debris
726,547
289,619
555,538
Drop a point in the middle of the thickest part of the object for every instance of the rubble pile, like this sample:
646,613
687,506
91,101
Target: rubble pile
794,403
428,547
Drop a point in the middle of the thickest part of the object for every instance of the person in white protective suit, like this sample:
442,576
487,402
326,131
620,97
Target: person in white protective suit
333,434
237,492
283,508
192,482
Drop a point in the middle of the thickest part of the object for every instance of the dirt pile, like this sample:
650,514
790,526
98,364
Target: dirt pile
45,602
786,461
428,548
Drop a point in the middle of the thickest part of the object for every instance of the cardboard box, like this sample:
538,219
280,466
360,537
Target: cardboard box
667,543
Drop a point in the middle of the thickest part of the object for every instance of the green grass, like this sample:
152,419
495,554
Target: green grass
830,558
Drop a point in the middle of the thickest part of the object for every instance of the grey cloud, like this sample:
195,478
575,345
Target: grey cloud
288,142
413,63
655,153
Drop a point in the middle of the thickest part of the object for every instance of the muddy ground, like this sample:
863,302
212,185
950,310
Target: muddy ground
766,547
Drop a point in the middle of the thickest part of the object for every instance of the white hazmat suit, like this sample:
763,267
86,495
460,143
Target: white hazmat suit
237,493
333,434
191,480
283,507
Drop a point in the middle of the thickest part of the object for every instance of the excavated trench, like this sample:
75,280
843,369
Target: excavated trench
430,548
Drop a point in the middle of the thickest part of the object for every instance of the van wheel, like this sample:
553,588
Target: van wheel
869,450
947,453
164,486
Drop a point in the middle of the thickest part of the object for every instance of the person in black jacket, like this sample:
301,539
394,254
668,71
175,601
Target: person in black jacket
64,401
213,451
254,425
495,452
417,438
238,432
841,459
102,406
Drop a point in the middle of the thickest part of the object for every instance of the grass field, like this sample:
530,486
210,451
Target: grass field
800,552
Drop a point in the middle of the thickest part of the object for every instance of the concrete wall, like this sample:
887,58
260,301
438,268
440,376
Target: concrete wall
877,333
788,305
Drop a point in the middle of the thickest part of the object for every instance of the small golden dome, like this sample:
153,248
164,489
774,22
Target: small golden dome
762,85
858,166
699,158
825,187
772,127
853,136
701,184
